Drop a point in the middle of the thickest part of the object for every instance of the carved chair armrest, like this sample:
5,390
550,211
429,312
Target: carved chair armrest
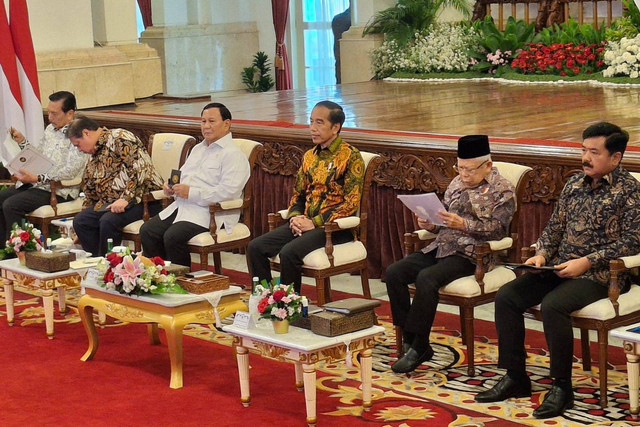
617,267
416,240
527,252
276,219
347,222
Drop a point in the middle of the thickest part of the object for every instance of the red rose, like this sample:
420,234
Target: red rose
157,260
108,276
114,259
264,302
24,236
165,272
278,295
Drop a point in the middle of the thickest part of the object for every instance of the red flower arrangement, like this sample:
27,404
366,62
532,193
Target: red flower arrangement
564,59
279,302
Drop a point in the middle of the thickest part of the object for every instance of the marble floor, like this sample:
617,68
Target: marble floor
351,284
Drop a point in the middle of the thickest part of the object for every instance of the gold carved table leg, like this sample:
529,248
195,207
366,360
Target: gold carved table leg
309,375
47,302
8,294
173,330
299,381
85,309
242,355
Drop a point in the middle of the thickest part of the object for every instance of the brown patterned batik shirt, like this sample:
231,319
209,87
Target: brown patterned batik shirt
329,183
600,222
487,211
119,169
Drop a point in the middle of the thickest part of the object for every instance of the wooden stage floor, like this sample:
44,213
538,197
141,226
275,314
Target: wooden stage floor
543,112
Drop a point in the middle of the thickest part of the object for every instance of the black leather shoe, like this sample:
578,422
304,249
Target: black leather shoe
507,387
411,360
405,347
555,403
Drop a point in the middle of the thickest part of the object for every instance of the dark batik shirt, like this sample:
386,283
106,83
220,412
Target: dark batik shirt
487,211
601,223
329,183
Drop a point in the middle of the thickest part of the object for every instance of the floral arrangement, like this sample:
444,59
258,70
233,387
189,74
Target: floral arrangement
279,302
494,60
442,48
136,274
623,58
25,238
564,59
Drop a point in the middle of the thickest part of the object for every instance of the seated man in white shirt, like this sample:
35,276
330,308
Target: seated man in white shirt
216,170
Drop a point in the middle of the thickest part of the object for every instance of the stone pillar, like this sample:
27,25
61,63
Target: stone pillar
354,49
203,45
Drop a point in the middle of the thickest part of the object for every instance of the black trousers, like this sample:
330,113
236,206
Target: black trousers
292,250
167,240
15,203
558,298
95,227
429,274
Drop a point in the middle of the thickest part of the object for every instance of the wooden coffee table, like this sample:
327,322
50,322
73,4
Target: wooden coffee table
304,349
172,311
15,274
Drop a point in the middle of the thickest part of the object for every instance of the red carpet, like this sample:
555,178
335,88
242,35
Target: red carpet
127,382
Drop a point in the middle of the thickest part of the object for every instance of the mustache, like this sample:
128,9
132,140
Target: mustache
587,164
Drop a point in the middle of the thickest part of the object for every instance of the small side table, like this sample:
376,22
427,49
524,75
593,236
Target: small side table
631,347
304,349
172,311
13,273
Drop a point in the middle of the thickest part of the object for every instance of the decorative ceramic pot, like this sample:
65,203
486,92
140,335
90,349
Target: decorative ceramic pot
281,326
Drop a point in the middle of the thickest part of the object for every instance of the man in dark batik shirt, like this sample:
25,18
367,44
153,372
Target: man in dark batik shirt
596,219
480,204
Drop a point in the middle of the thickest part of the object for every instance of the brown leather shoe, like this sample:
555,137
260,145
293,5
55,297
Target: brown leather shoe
506,388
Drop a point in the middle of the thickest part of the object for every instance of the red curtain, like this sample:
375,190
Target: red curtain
145,10
280,10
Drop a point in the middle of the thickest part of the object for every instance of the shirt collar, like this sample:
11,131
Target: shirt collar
608,178
333,147
222,142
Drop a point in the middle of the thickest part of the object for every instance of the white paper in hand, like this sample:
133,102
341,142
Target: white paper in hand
30,160
425,206
9,149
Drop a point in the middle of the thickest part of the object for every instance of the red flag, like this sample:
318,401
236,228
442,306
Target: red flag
10,99
27,69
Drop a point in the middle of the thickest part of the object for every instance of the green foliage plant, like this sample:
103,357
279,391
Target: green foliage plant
497,48
627,26
257,77
632,12
408,18
571,32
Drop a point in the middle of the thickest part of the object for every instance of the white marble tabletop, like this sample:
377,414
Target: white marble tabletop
627,333
14,266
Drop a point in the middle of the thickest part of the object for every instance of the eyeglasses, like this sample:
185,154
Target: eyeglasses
468,170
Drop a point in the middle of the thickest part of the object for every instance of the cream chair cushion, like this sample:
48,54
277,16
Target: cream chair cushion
603,309
240,231
65,208
468,287
342,254
134,227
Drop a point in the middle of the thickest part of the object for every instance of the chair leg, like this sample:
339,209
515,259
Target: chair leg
586,349
320,291
327,289
204,260
468,338
137,244
217,262
603,358
364,279
399,341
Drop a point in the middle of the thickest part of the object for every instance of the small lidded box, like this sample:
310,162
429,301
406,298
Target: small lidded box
47,261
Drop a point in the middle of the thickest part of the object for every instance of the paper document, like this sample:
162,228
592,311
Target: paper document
30,160
8,150
426,206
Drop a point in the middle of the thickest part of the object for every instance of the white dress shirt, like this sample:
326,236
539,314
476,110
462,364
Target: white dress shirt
214,173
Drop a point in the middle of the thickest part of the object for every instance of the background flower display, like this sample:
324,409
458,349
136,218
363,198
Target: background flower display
623,58
138,275
279,302
25,238
562,59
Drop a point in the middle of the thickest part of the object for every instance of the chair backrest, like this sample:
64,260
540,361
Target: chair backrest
170,151
251,149
519,176
636,175
371,163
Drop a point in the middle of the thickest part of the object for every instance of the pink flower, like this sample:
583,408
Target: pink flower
129,270
280,313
